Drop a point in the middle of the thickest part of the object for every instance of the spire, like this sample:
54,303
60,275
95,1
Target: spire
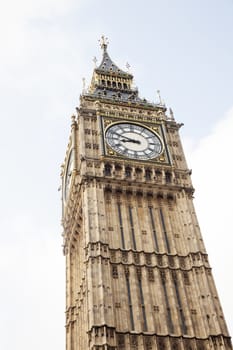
109,82
107,66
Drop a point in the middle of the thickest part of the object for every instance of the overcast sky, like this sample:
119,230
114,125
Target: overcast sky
184,48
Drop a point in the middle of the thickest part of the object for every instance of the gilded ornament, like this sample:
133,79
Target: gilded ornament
162,158
155,128
107,122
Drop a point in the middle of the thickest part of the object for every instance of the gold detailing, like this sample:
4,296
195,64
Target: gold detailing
107,122
154,118
155,128
162,157
110,151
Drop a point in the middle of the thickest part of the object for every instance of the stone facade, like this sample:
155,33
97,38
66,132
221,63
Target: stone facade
137,272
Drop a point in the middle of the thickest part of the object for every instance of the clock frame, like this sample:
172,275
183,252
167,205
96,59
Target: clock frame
155,128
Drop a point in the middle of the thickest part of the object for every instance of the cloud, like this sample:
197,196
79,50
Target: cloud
16,18
32,291
211,161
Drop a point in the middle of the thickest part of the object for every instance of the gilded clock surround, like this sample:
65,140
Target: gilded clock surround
137,272
155,128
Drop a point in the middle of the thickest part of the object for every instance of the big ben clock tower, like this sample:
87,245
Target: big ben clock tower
137,272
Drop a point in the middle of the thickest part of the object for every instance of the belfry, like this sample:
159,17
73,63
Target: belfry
137,271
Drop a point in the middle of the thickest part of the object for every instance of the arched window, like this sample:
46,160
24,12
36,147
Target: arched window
168,177
158,175
148,174
107,170
138,172
118,170
128,172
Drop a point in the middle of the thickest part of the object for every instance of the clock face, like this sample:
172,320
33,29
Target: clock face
133,141
67,180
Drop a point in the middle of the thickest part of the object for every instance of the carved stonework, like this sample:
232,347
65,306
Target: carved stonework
137,272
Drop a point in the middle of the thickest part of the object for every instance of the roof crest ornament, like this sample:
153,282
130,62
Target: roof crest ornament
171,114
95,61
159,96
128,66
84,85
103,42
161,102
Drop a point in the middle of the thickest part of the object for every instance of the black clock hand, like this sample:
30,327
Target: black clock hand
131,140
124,137
127,139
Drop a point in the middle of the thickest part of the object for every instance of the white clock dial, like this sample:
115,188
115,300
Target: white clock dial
133,141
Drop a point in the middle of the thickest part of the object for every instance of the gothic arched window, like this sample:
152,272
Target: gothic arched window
128,171
168,177
148,174
107,170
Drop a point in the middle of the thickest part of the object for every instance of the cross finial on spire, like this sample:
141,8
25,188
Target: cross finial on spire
103,42
127,66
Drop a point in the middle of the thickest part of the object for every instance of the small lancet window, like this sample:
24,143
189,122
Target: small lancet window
138,172
103,82
107,170
109,83
118,169
158,175
128,172
148,174
168,177
114,84
119,85
125,86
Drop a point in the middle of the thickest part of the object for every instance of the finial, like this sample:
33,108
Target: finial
159,96
103,42
84,84
171,114
127,66
95,61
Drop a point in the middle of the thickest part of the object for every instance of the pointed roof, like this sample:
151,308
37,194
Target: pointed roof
111,83
107,66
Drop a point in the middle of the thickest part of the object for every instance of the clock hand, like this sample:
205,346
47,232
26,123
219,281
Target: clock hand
128,139
131,140
125,137
115,133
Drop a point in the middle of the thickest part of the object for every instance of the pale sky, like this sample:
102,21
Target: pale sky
185,49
